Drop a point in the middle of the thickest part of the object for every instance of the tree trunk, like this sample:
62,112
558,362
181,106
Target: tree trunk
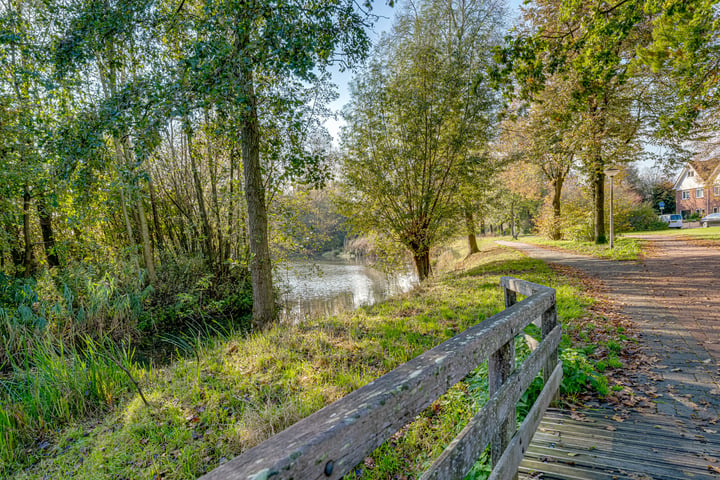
260,266
221,256
47,232
557,195
599,199
28,254
207,240
470,225
422,264
145,237
232,204
513,228
16,255
156,218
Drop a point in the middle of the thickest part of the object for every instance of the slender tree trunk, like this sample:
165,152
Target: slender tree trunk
47,232
28,255
231,203
145,237
212,167
260,266
599,206
16,255
156,218
207,233
513,228
422,264
470,225
557,214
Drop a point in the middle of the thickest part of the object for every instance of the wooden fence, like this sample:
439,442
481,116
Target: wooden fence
333,441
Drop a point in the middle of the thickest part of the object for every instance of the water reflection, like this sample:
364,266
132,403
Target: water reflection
329,287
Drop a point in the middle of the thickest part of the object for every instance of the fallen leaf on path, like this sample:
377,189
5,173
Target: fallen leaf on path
577,416
713,469
611,428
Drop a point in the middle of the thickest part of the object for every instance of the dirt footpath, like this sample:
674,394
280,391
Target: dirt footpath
673,297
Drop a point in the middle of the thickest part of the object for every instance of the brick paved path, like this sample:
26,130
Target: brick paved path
673,297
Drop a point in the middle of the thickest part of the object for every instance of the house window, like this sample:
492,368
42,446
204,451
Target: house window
716,190
715,209
699,193
691,173
686,195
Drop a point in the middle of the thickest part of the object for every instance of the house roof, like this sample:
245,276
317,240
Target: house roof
705,168
707,171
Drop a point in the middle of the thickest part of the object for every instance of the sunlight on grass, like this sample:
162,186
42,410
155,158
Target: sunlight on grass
624,249
710,233
238,391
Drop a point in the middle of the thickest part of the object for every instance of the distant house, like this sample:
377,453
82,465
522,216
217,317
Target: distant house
697,189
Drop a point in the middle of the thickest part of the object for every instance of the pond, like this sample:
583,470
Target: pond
328,287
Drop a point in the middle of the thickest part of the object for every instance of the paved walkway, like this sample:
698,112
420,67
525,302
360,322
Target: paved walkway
673,297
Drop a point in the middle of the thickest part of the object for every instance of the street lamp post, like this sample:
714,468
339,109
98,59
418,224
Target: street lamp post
611,172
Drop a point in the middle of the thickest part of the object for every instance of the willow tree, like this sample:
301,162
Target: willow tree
418,112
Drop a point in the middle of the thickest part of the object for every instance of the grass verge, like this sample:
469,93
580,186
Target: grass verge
624,248
711,235
236,391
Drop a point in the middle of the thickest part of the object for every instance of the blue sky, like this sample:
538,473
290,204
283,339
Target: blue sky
386,15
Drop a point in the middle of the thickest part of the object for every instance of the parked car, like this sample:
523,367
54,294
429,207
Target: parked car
710,220
673,220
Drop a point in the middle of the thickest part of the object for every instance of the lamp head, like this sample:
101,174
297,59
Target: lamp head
611,171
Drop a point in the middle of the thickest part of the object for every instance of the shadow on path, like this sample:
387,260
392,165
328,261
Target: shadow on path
673,298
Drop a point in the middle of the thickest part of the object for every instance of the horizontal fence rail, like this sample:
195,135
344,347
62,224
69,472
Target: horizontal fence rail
332,441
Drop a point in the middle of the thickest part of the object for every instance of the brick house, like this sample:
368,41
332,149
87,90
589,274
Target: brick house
697,189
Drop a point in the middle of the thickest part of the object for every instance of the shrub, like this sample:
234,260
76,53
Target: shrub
644,218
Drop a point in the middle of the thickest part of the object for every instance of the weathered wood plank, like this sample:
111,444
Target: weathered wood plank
500,366
507,466
639,435
330,442
536,469
462,453
645,464
564,446
581,442
664,461
523,287
548,324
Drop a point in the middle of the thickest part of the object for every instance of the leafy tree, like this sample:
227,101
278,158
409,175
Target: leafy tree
684,53
544,134
419,114
593,44
235,61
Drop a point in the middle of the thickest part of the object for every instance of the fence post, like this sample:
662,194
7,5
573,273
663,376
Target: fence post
500,366
549,321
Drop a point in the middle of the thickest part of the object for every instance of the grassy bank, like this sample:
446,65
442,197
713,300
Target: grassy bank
236,391
624,248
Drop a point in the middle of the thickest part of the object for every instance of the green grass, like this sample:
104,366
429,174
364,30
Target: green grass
236,391
624,248
710,233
